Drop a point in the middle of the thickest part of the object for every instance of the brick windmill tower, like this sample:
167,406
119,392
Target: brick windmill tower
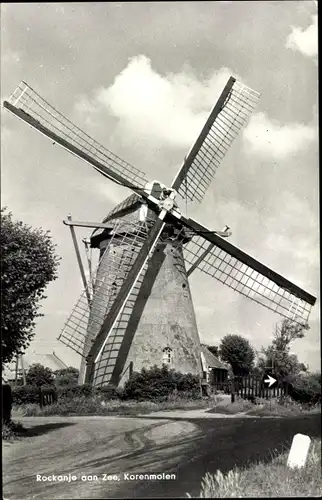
137,310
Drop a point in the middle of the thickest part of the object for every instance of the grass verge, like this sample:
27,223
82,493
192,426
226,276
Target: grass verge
272,479
283,408
94,406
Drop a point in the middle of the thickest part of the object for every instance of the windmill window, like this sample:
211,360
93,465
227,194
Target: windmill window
167,355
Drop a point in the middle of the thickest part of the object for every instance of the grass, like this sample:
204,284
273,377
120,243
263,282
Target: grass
96,405
272,479
84,405
12,430
262,408
239,406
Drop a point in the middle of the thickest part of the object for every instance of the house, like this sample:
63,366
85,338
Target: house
215,372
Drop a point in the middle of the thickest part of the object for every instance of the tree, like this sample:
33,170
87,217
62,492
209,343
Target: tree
66,376
214,349
39,375
276,357
238,352
28,264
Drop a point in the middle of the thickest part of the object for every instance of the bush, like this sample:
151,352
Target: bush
11,430
108,392
66,377
158,383
73,391
25,394
39,375
306,389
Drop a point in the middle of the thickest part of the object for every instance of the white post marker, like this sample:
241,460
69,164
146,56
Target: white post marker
299,451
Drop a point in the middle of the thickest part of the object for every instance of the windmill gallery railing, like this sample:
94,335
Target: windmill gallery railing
252,387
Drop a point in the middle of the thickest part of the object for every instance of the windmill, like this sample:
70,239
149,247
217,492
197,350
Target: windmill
137,309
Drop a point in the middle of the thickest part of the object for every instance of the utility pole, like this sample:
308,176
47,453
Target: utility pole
23,371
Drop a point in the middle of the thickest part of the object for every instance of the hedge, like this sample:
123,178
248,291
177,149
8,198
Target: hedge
153,384
306,389
158,383
25,394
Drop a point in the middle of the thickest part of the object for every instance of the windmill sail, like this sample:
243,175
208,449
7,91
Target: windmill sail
228,116
30,107
234,268
84,324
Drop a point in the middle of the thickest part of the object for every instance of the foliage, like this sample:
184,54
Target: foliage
93,405
306,388
66,376
159,383
11,430
25,394
277,358
69,392
108,392
237,351
214,349
239,406
268,478
39,375
28,264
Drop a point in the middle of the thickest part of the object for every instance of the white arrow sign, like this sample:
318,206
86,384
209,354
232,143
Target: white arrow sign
270,381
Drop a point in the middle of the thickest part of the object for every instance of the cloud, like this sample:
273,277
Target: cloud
304,40
168,109
270,138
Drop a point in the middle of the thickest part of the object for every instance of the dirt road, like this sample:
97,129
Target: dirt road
115,446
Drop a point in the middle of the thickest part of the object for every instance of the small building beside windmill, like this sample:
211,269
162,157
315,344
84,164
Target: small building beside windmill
48,360
215,372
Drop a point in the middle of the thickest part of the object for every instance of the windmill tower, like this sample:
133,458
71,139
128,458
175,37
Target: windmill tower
138,310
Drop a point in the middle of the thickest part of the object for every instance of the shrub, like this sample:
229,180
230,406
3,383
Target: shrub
11,430
73,391
158,383
39,375
108,392
25,394
306,389
66,377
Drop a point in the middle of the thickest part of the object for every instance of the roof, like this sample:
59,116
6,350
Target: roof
50,360
211,360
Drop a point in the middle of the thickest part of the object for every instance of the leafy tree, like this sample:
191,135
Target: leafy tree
277,358
28,264
214,349
237,351
38,375
66,377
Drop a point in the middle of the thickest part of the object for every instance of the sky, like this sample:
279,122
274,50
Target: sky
141,79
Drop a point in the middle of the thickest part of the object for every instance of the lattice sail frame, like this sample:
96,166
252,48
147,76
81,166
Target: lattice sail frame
25,99
84,323
234,114
227,269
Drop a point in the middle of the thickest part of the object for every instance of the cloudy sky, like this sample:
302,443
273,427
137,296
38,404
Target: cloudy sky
141,78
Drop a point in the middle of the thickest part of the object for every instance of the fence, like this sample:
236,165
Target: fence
47,396
252,387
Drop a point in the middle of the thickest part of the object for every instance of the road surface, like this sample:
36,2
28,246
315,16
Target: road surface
125,446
